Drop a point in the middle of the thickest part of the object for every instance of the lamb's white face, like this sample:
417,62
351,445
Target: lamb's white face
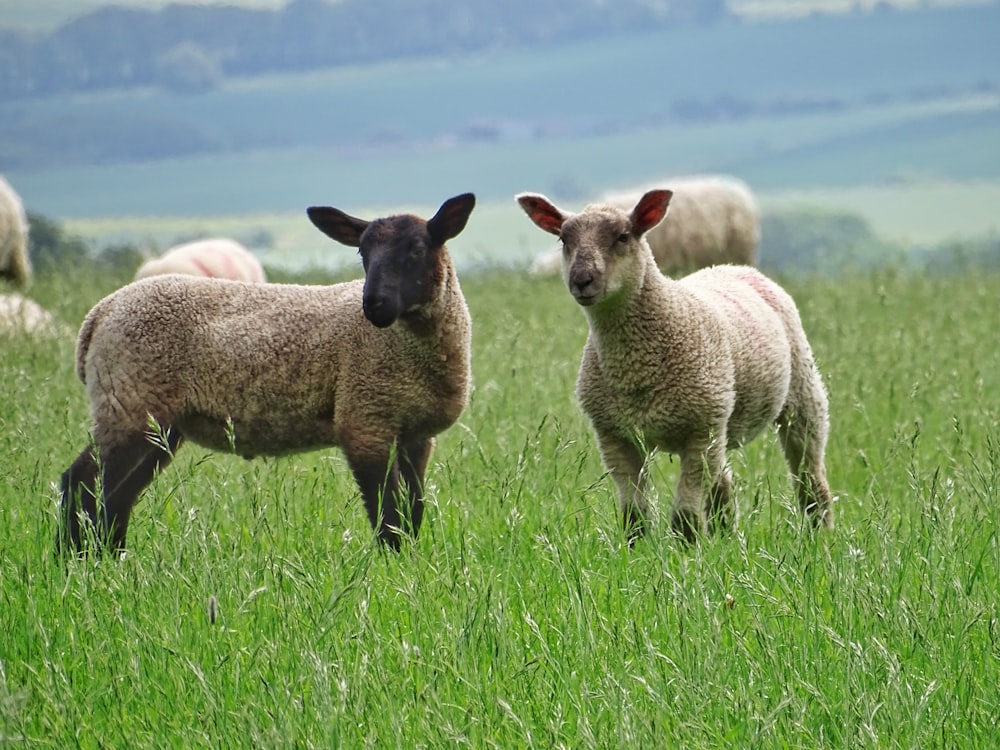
602,248
600,254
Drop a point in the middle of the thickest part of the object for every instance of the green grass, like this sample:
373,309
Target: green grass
518,619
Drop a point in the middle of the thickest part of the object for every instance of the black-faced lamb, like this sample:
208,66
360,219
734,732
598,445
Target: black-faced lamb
692,367
713,220
377,366
15,265
215,258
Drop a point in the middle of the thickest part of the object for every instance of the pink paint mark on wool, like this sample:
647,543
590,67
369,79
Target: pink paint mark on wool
762,286
751,327
203,267
229,268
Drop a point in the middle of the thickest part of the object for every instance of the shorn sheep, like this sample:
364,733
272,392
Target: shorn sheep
216,258
377,367
713,220
15,265
692,367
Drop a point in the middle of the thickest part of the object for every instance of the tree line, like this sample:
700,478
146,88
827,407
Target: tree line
192,48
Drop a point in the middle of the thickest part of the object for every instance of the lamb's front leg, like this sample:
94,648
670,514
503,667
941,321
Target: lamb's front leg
413,459
626,462
379,481
704,493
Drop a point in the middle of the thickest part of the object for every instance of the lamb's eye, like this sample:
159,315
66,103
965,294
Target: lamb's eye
623,237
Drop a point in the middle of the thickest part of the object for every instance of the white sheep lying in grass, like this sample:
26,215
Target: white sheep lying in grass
15,265
692,367
18,314
217,258
713,220
377,367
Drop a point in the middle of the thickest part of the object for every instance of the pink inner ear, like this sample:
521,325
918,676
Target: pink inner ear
547,221
650,216
651,210
543,214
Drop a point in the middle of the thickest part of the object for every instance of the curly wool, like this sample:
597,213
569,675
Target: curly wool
693,367
273,358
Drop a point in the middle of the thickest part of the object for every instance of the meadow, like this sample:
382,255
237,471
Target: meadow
254,609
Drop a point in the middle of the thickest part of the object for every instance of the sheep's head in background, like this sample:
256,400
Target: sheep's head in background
603,250
401,255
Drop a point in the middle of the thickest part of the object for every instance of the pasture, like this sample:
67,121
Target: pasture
254,609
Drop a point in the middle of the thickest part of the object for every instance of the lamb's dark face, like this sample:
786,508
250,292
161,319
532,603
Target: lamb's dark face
403,268
404,257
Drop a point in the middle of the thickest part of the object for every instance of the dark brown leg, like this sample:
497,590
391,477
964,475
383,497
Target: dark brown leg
125,471
79,492
379,484
413,459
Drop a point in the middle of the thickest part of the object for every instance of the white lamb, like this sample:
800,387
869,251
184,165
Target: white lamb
713,220
691,367
15,265
377,367
218,258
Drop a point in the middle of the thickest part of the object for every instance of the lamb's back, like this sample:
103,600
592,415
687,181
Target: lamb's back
760,322
205,350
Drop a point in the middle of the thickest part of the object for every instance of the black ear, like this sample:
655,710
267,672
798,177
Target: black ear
451,218
336,224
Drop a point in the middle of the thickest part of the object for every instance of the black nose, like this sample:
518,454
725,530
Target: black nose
379,310
581,281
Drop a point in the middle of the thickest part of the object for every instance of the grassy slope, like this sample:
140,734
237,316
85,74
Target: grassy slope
518,619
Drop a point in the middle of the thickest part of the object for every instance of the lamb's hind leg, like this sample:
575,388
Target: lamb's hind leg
125,470
79,493
803,429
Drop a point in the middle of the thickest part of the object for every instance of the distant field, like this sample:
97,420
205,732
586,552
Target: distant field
918,174
912,146
916,213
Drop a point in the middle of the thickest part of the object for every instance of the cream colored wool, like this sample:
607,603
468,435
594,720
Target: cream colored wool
691,367
19,314
15,264
217,258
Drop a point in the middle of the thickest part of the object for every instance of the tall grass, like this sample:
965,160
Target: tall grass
254,609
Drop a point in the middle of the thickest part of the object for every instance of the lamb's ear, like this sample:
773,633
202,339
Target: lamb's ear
541,211
650,210
336,224
451,218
